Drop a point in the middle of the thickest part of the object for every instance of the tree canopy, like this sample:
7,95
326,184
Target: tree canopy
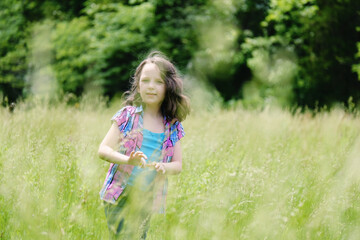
288,52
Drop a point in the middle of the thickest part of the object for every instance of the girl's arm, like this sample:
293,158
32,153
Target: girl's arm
173,167
112,141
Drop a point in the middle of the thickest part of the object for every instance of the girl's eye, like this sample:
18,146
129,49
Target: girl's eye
144,80
160,82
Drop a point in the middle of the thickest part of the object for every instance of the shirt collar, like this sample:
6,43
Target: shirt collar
139,109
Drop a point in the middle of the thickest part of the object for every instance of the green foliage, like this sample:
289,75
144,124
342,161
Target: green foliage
356,67
38,10
274,66
101,48
322,36
308,46
222,28
119,35
70,44
13,50
174,31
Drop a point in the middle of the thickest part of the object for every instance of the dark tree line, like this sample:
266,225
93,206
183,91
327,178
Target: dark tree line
303,53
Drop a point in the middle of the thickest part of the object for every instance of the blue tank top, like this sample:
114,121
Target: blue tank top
151,147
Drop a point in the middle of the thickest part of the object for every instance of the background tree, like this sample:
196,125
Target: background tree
13,50
283,52
356,67
323,35
221,30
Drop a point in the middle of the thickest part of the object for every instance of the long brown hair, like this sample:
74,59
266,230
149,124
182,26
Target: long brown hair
175,105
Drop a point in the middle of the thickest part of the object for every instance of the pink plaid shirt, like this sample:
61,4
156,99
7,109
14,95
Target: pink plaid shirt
130,122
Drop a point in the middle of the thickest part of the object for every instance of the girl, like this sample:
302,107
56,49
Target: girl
143,146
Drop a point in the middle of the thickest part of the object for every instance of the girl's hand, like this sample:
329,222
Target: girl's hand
137,159
151,165
160,167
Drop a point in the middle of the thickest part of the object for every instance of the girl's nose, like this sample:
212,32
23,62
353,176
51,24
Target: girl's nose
151,84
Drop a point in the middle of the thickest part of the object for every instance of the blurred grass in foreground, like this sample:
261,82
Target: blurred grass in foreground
246,175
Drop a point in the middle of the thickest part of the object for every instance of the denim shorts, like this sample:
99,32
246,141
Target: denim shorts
129,217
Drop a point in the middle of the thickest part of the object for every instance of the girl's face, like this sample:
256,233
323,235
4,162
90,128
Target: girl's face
151,86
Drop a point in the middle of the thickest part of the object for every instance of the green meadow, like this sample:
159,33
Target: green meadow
247,174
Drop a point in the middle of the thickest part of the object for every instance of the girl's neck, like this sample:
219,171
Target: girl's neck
153,111
153,120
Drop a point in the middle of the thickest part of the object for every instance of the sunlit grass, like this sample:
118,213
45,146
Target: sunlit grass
246,175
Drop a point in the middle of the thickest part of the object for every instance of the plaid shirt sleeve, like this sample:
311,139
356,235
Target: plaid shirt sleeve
120,118
177,132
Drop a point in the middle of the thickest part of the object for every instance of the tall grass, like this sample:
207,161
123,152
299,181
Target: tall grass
246,175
